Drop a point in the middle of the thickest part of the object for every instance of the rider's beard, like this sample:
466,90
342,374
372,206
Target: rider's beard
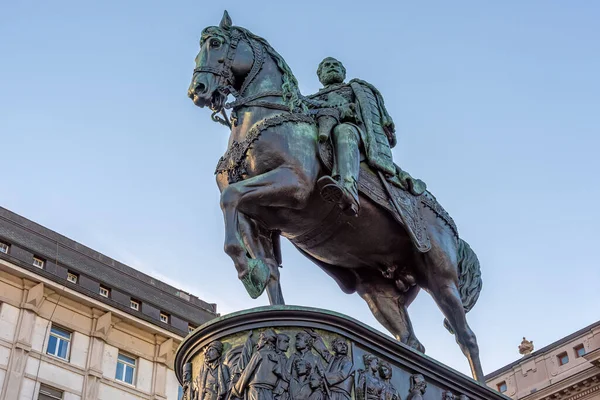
331,77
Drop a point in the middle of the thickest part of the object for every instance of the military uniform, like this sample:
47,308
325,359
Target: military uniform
214,381
353,114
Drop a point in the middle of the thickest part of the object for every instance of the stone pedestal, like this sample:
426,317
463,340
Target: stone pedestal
299,353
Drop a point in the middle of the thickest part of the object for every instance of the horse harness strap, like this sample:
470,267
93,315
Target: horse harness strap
257,63
224,73
253,100
233,161
226,80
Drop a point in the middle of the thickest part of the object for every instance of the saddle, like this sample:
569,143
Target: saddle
371,186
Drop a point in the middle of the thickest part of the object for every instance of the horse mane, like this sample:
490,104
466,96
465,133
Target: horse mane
290,89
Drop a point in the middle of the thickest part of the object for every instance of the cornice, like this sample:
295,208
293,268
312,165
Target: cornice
570,388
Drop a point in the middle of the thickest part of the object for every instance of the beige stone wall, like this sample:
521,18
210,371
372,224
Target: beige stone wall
30,304
540,375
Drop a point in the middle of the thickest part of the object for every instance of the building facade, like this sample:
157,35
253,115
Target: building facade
75,324
568,369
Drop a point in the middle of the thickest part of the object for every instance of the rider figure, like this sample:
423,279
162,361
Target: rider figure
340,116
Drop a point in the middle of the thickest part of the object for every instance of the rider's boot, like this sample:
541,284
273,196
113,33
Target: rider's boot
342,188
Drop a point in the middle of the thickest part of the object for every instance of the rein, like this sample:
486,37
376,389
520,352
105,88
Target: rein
226,81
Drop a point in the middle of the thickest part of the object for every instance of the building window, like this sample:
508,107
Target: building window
59,343
191,328
563,358
125,369
38,262
104,292
134,304
502,387
49,393
4,248
164,317
71,277
579,351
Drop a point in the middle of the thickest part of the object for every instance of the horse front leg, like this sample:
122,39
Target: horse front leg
263,244
284,187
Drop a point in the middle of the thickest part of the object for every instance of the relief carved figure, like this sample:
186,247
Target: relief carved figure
318,388
337,373
303,344
389,391
418,386
190,392
264,370
300,383
448,395
213,380
281,390
369,385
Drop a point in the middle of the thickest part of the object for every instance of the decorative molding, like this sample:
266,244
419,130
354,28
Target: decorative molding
567,394
573,391
166,353
593,357
585,393
35,298
529,365
103,326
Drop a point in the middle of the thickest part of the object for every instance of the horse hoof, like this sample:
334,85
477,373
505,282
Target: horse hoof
415,344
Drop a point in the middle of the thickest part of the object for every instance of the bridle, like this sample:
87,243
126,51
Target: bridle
226,80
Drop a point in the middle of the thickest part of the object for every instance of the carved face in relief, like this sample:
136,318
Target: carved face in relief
448,395
315,381
303,341
213,351
385,370
340,347
187,373
418,383
267,338
331,71
303,367
283,342
374,364
371,363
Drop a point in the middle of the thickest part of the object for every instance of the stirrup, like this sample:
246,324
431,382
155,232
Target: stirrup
330,189
333,192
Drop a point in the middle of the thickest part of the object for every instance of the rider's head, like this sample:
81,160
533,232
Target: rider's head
331,71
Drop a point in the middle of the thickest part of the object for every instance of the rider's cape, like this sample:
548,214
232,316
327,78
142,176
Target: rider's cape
377,128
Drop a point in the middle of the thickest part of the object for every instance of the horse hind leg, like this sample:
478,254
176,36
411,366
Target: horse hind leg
389,307
442,284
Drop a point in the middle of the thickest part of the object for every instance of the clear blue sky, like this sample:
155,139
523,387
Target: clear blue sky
497,107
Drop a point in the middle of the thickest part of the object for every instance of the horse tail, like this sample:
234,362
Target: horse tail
469,278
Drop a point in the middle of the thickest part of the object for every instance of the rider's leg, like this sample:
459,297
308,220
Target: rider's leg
346,141
343,187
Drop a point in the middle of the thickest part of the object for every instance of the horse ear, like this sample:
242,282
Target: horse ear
225,21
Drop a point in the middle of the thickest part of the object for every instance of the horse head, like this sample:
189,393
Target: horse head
225,59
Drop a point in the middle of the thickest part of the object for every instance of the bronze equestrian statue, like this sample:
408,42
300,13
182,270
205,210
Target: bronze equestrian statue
318,171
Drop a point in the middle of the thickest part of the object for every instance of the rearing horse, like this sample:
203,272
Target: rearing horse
267,180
